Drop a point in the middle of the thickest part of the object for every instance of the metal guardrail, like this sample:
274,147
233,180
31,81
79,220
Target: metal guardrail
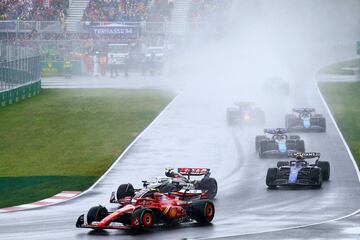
18,66
29,26
82,26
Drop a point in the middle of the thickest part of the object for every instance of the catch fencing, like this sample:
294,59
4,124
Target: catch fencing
19,73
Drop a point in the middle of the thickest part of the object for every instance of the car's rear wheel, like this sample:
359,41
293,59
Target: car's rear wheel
325,169
231,114
96,214
258,139
322,123
203,211
262,149
271,177
289,121
300,146
142,219
125,190
209,185
294,137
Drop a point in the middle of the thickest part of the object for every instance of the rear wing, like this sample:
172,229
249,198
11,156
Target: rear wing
194,171
275,130
305,155
301,110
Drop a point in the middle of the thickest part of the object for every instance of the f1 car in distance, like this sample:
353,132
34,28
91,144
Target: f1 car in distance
152,208
299,172
279,144
245,113
175,182
277,85
305,120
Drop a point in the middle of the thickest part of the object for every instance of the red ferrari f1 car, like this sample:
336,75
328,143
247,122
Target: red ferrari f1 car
151,208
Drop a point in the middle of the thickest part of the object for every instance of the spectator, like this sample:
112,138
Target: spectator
103,64
34,10
96,64
127,10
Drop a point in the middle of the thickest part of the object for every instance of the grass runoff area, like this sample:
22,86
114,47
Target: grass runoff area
66,139
342,68
344,102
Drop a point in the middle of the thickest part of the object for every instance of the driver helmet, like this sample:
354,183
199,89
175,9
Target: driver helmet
170,172
279,137
299,156
305,114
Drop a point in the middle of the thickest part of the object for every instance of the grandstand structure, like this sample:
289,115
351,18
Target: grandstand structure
82,30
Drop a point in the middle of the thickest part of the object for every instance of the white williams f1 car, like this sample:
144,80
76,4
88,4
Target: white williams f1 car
305,120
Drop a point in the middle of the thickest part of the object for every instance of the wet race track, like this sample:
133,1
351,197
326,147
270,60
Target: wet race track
192,132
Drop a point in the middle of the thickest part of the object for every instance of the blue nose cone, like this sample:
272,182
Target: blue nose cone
306,123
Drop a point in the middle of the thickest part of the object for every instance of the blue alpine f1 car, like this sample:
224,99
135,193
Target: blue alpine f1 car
279,144
305,120
299,172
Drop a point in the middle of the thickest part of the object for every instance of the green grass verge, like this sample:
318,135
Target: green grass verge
66,139
344,102
337,68
28,189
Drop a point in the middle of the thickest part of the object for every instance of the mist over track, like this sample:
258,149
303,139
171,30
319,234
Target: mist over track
290,39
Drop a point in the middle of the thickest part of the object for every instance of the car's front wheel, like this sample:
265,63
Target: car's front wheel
96,214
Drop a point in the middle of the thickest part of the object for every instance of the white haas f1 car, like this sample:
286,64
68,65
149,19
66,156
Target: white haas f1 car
279,144
305,120
175,183
299,172
245,113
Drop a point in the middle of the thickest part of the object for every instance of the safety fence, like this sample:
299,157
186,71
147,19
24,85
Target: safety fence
29,26
19,74
145,27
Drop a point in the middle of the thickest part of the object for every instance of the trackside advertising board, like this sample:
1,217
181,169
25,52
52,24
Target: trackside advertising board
115,29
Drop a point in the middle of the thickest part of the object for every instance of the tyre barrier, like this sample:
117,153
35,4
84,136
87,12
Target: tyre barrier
19,93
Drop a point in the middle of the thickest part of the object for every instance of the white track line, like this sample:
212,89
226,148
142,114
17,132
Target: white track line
58,198
337,128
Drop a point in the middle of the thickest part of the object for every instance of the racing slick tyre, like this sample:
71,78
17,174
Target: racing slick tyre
289,121
231,116
202,211
315,175
282,164
257,142
300,146
294,137
271,177
142,219
168,188
209,185
125,190
96,214
325,169
322,123
262,149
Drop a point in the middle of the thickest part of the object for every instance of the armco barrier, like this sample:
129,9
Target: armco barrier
19,93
